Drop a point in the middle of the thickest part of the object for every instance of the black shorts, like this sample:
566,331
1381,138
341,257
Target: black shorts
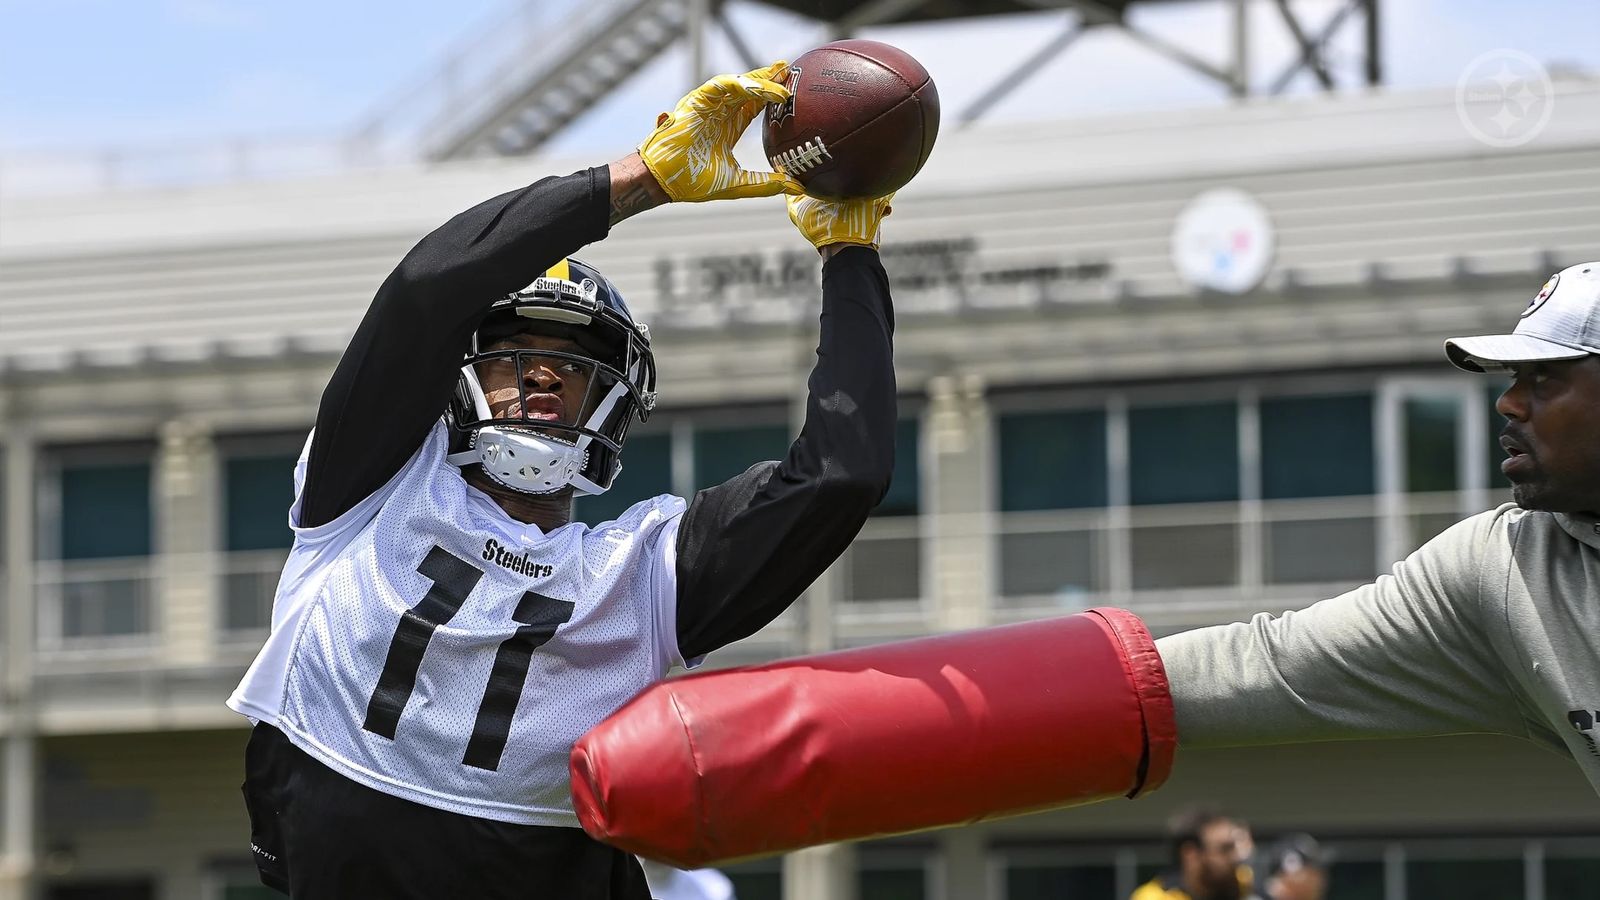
317,835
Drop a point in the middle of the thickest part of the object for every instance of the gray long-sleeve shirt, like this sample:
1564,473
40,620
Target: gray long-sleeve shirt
1491,627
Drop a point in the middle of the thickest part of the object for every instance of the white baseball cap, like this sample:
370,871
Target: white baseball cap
1561,322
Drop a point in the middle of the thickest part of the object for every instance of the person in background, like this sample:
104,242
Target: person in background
1208,859
1297,869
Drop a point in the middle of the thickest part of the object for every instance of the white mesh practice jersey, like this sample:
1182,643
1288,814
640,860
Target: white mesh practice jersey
429,646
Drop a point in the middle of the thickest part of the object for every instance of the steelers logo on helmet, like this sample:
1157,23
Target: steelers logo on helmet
1543,295
553,377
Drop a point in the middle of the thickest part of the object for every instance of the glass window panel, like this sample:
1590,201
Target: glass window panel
1430,429
104,604
646,472
1571,879
756,885
892,884
1060,882
105,511
1184,556
905,490
721,453
1356,881
1053,460
1059,564
1465,879
885,567
1317,447
248,588
1319,551
259,492
1183,454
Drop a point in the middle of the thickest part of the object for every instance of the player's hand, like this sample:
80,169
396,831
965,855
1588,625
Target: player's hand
691,151
827,223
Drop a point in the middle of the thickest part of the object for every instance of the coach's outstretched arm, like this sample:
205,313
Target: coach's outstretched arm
396,376
748,547
1412,654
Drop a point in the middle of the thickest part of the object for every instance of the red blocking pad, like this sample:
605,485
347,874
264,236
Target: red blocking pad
882,740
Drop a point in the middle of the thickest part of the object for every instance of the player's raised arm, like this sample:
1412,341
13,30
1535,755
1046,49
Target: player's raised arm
1412,654
748,547
396,376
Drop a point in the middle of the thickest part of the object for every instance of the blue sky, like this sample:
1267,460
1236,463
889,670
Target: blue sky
85,74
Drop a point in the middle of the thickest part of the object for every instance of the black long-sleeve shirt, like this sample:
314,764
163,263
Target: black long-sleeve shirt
747,547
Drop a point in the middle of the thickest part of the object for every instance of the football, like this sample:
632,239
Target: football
860,121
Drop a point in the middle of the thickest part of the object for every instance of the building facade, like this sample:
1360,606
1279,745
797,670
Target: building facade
1081,425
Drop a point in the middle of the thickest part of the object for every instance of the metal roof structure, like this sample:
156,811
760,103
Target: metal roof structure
542,85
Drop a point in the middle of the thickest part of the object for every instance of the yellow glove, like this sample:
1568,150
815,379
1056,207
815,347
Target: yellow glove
825,222
691,151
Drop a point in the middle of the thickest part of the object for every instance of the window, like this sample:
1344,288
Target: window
721,453
1183,454
888,872
761,880
892,884
102,588
258,489
646,472
1053,460
1571,879
105,511
905,492
1356,880
1060,882
1431,424
885,560
1317,447
1465,879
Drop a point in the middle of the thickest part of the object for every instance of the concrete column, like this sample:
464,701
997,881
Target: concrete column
186,529
964,863
958,476
820,873
19,763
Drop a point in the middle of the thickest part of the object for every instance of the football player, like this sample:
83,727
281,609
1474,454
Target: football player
443,631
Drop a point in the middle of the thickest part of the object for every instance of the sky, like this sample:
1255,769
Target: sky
79,77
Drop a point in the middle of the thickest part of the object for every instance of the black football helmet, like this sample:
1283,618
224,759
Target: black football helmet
534,435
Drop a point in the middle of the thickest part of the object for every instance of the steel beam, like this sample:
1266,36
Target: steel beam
1310,54
1018,74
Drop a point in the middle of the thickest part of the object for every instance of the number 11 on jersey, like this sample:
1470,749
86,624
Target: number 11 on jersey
453,578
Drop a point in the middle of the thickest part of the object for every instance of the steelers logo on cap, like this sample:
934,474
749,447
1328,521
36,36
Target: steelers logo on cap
1543,295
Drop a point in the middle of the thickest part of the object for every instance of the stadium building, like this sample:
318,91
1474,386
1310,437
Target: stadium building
1189,364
